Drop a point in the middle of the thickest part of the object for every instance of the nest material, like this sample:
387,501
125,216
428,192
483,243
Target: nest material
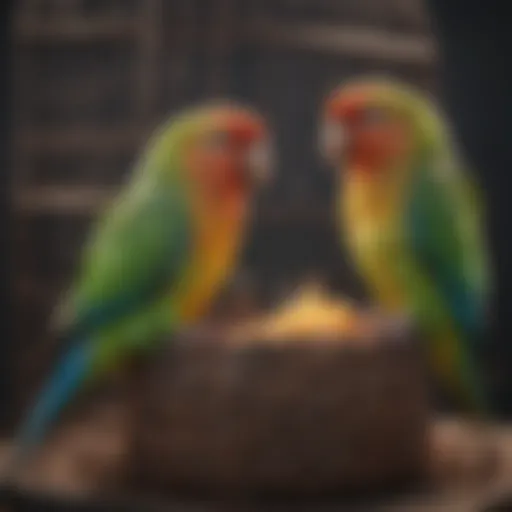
298,417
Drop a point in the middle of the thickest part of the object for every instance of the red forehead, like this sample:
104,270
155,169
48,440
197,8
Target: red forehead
347,103
243,125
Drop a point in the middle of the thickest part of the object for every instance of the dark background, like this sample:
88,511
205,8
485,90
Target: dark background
92,79
6,295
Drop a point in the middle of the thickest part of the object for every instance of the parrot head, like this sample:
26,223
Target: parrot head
373,126
225,149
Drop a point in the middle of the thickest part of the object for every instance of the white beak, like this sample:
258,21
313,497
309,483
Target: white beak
261,161
332,141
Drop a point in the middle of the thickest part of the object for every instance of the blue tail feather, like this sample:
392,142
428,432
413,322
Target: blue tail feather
59,390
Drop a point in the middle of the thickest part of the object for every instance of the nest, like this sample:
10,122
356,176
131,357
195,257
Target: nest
220,412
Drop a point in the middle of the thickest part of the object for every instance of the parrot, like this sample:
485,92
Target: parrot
412,219
159,253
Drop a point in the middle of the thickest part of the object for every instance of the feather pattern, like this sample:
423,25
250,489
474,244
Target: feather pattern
444,233
414,226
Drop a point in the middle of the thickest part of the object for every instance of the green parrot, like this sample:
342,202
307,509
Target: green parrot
412,220
159,254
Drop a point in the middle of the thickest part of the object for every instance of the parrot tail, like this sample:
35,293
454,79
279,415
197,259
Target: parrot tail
56,394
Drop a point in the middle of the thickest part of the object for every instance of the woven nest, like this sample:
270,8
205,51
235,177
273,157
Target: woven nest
298,416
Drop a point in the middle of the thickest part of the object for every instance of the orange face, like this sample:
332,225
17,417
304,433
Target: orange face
364,131
231,154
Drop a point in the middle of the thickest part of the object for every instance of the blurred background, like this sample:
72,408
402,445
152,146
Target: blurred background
87,81
92,78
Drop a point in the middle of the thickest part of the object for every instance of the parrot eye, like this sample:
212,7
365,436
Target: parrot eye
217,140
373,116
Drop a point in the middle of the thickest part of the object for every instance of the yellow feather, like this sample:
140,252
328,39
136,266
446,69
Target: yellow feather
370,226
369,209
218,241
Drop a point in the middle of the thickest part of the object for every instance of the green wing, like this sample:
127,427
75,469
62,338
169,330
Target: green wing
446,237
135,257
447,245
